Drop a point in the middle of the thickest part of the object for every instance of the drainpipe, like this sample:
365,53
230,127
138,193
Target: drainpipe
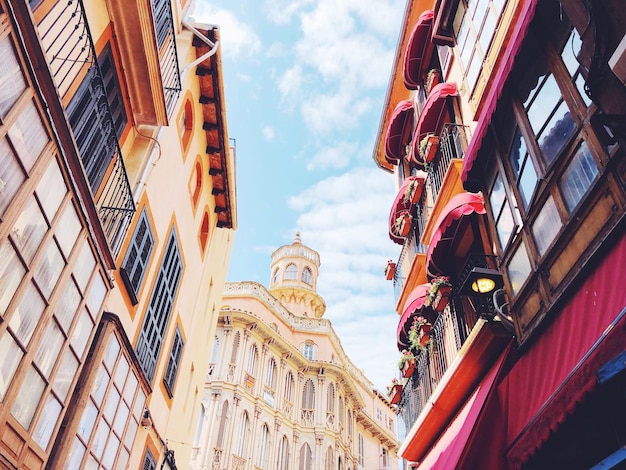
213,45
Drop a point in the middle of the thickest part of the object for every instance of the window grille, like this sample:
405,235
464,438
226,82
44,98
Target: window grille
171,372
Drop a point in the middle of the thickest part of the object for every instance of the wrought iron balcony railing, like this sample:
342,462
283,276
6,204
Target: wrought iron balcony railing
452,145
168,55
412,246
448,334
70,50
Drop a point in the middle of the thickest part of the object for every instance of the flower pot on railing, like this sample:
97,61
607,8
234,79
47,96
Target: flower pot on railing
395,393
432,79
408,368
424,334
428,147
390,270
419,333
439,294
403,225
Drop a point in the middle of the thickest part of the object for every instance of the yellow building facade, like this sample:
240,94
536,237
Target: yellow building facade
117,216
280,392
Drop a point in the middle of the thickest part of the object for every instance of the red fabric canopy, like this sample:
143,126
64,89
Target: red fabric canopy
412,307
431,120
589,330
401,205
447,451
439,248
399,131
416,50
495,91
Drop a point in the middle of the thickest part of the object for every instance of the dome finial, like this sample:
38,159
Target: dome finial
297,240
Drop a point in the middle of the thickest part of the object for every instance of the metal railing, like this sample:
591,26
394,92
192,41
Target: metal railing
412,246
448,334
452,145
70,50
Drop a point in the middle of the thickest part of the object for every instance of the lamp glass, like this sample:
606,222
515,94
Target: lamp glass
483,285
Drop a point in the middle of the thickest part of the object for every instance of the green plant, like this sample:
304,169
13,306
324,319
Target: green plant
404,357
431,74
424,144
408,192
414,332
390,387
435,284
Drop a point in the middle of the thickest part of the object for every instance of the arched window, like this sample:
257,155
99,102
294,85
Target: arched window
283,454
263,450
196,438
308,349
233,356
350,426
307,276
270,374
222,429
308,403
330,459
330,399
276,276
185,124
252,360
306,457
291,273
244,432
361,451
204,231
196,183
288,393
340,412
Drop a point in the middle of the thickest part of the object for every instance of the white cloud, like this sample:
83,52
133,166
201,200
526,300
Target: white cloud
344,218
268,133
337,156
290,84
281,11
236,38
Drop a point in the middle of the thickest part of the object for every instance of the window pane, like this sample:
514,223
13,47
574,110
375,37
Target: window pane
48,350
100,385
100,438
112,401
28,398
96,294
87,420
28,136
76,455
81,332
131,431
11,272
542,105
49,269
120,419
578,176
12,83
113,349
505,225
67,305
65,374
527,181
556,133
27,314
11,175
111,451
11,355
67,229
47,421
29,229
51,190
84,266
519,268
121,372
546,225
131,386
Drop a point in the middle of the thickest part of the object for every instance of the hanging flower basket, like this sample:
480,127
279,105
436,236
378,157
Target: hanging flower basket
439,293
419,334
403,225
395,393
390,270
424,334
432,79
407,363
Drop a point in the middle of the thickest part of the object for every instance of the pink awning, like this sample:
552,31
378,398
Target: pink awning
497,85
588,331
401,204
461,205
433,115
447,451
399,131
416,49
412,307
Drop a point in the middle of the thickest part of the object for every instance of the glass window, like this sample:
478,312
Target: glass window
309,351
11,273
173,362
49,269
65,374
11,355
67,229
291,273
307,276
577,177
68,305
138,254
49,348
523,169
546,225
27,399
47,421
51,190
29,230
28,135
519,268
502,214
84,266
27,314
12,83
11,176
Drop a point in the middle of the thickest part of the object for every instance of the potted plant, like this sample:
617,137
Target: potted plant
439,293
411,193
419,333
433,77
406,363
428,147
394,391
390,270
403,224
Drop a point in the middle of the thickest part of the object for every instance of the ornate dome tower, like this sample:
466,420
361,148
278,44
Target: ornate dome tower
294,271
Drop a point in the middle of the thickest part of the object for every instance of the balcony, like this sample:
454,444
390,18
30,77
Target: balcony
452,145
71,55
449,332
412,246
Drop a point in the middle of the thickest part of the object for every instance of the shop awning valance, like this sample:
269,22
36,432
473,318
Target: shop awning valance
433,115
416,49
412,307
403,204
459,206
399,131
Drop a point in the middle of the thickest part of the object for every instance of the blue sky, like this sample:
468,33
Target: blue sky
305,83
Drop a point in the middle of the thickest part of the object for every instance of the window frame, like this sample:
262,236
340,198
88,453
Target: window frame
173,362
138,257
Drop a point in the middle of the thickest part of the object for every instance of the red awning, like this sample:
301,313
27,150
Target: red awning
497,85
402,204
412,307
416,48
431,120
461,205
587,332
399,131
448,449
